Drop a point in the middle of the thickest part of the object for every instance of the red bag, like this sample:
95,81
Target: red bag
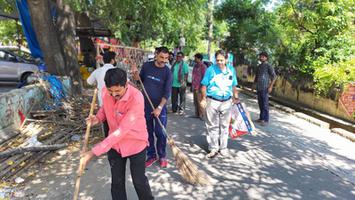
236,133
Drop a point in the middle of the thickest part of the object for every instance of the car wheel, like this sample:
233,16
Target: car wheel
24,77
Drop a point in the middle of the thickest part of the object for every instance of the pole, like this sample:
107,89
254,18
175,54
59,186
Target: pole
84,149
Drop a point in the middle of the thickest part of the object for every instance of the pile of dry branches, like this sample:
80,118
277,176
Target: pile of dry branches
42,132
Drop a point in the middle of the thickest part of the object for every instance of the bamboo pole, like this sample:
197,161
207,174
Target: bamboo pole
84,149
22,150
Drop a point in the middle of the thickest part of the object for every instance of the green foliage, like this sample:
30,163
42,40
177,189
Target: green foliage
148,20
7,6
8,31
334,76
318,29
250,26
8,27
319,39
309,40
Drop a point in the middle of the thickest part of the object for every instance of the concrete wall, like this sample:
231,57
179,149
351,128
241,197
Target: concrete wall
283,90
22,100
18,100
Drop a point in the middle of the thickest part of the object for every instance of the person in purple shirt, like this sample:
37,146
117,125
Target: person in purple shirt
157,80
197,74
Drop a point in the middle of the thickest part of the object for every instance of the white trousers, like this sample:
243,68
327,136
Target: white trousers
218,115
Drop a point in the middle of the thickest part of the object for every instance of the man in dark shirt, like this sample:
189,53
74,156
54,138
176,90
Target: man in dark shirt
156,78
264,79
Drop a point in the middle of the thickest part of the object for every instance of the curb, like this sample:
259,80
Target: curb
281,107
289,110
312,120
344,133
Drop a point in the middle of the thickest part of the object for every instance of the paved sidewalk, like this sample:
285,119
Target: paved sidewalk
289,159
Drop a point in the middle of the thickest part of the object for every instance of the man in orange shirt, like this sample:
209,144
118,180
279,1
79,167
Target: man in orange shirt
123,109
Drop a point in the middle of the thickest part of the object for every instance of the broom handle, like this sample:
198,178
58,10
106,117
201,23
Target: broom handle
84,149
151,104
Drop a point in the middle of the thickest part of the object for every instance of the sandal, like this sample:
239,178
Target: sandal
212,154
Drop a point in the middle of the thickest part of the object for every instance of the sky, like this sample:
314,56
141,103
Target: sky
272,5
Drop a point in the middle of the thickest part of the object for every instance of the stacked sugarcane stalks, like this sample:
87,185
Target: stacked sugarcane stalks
42,132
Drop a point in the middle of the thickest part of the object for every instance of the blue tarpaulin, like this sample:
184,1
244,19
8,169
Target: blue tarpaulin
56,90
25,18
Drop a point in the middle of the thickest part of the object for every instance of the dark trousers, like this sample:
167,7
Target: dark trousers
118,175
154,129
175,93
263,101
106,128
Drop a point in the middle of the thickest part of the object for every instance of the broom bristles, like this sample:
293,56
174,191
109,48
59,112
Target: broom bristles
188,169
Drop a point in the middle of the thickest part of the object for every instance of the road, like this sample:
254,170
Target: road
6,86
289,159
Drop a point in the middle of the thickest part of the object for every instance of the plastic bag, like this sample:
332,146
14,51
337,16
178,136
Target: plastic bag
239,124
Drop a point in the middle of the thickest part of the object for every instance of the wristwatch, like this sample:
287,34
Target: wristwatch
159,107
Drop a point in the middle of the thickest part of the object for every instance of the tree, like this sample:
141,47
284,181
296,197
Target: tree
149,21
304,37
251,28
319,36
9,27
211,4
8,31
55,34
7,6
47,36
66,27
56,40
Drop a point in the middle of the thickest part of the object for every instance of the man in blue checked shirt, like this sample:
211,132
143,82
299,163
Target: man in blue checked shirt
219,91
265,78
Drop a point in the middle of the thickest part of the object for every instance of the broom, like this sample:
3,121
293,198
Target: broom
188,170
85,147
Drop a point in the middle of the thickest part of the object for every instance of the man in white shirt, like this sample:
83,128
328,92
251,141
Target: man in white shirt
98,76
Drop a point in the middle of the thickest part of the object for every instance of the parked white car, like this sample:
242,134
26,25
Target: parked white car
15,67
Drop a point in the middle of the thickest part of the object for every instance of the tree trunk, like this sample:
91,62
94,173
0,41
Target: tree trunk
47,36
66,30
210,26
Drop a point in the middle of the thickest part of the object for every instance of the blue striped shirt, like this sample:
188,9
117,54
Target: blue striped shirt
264,73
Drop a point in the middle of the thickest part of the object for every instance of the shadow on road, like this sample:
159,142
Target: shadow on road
289,159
